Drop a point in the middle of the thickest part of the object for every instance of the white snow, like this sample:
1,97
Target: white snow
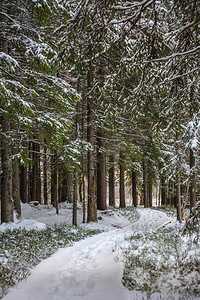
89,270
23,224
9,59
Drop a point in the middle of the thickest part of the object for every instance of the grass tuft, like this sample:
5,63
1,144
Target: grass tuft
21,250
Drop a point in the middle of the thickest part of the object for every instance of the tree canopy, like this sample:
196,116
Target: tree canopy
114,77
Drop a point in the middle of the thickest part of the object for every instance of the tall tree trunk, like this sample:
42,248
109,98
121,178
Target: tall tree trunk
35,177
194,107
150,184
163,191
83,159
54,182
34,173
6,179
101,174
38,172
16,186
178,176
122,203
192,180
150,196
80,188
157,201
112,181
169,194
24,184
145,182
134,188
92,209
60,182
92,213
45,177
75,196
64,187
68,186
173,194
84,198
159,193
178,194
29,172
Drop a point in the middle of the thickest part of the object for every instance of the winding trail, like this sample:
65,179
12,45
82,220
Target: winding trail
89,270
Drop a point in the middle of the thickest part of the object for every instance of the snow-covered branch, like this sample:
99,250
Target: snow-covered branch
189,52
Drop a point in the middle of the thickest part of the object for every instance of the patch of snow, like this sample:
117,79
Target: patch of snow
30,225
23,224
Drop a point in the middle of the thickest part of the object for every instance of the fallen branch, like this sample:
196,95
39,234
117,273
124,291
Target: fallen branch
163,225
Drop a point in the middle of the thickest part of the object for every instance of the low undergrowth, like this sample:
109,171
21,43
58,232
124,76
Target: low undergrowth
21,250
165,264
129,213
171,211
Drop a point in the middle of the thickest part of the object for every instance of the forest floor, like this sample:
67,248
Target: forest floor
91,269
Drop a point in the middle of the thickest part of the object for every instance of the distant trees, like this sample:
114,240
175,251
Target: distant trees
92,91
35,103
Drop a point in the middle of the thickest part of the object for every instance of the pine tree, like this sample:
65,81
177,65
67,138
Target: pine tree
29,87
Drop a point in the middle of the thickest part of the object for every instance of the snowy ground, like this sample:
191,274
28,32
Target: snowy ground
89,270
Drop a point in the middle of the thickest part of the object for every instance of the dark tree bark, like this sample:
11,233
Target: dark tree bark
122,203
64,188
75,196
157,192
92,209
150,184
92,213
163,191
178,194
34,174
80,188
145,182
75,193
16,186
29,172
174,194
169,194
150,194
54,182
60,185
101,174
24,184
38,172
7,207
192,180
112,181
84,199
68,186
45,180
83,158
134,188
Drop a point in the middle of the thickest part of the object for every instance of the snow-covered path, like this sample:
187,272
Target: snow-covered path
89,270
149,219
